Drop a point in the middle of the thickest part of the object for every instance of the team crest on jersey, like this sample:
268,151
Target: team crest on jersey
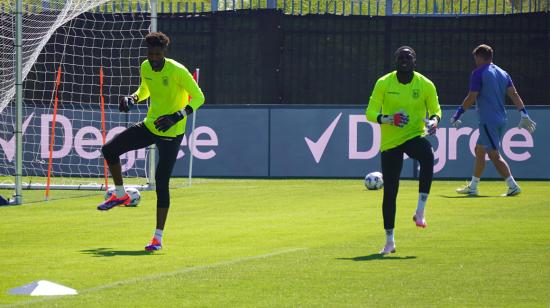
165,80
416,93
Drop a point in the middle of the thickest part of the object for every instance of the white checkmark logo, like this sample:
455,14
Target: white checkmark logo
318,148
9,146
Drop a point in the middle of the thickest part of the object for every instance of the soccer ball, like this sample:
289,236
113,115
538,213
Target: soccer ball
374,181
134,194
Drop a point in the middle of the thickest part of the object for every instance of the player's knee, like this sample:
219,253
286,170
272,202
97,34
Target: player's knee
480,151
106,151
430,156
494,155
427,159
109,154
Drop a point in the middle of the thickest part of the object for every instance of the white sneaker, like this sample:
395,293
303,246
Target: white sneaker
513,191
467,190
389,248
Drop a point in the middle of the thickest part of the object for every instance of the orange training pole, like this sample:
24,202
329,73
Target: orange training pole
52,134
103,129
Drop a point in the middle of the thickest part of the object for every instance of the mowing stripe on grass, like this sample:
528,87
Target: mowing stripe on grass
164,275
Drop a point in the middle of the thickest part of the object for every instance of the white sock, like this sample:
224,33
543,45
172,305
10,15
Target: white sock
120,192
511,182
389,236
422,199
158,235
474,182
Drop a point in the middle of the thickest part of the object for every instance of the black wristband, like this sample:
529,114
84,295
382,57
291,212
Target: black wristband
523,111
437,117
379,119
188,110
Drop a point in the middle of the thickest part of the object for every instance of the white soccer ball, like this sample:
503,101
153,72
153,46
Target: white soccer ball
374,181
134,194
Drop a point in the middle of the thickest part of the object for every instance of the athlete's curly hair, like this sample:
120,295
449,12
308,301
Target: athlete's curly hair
157,39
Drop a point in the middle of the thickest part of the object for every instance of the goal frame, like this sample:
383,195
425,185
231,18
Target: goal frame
18,186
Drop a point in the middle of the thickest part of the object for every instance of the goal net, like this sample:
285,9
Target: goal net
76,64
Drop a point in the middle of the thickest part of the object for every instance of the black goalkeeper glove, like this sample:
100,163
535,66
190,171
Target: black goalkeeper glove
126,103
163,123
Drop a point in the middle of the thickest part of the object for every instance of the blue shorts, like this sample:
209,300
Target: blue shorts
490,136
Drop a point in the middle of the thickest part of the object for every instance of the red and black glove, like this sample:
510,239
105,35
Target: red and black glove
398,119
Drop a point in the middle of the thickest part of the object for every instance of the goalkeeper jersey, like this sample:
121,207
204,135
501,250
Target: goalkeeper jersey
418,99
169,90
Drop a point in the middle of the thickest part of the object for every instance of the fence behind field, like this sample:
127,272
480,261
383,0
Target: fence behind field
264,57
303,7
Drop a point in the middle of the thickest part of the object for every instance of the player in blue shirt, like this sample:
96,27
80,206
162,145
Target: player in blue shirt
489,85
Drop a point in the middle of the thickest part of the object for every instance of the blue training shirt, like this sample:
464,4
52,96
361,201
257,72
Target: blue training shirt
491,82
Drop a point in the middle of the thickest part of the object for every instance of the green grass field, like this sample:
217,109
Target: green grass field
277,243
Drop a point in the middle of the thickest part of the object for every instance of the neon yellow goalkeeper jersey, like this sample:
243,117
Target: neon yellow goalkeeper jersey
418,99
169,91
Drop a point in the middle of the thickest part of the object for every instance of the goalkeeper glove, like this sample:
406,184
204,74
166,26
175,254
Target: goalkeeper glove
398,119
163,123
126,103
526,122
456,116
431,125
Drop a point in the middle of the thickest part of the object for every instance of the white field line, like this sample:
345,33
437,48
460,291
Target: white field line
162,275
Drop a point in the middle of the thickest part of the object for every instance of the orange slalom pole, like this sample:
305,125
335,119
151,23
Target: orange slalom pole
52,134
103,129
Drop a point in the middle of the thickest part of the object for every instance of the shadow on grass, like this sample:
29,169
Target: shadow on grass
108,252
466,196
377,256
56,198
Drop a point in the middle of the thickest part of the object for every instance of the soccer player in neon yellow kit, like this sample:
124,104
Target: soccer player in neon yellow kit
400,102
168,84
